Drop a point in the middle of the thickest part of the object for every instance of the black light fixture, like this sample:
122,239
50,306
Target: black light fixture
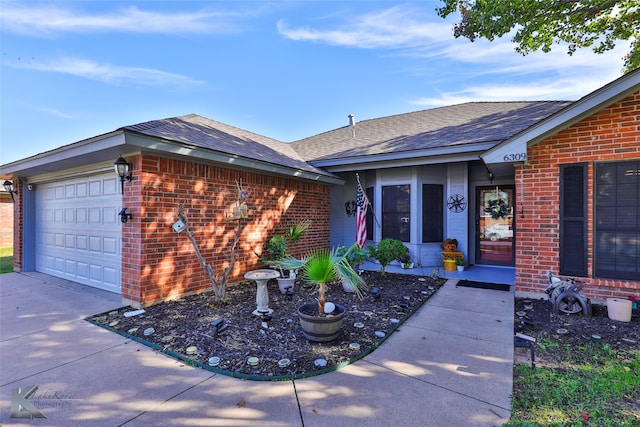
122,169
124,216
8,185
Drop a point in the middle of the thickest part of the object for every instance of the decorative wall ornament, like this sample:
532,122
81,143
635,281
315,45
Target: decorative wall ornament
457,203
350,207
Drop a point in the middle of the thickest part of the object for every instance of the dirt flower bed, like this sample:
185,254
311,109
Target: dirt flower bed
250,346
535,317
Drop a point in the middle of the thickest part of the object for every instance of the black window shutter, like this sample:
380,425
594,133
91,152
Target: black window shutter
573,220
432,213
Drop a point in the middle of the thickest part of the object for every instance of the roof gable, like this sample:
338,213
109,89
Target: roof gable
198,131
515,148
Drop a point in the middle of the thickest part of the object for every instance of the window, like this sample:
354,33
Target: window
617,220
396,210
573,220
432,213
369,192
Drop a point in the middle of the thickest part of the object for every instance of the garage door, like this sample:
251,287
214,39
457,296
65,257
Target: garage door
78,230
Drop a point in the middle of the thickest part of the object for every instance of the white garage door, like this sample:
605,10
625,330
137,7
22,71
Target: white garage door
78,230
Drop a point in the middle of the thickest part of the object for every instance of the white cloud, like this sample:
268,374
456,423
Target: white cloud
540,88
53,112
109,73
393,28
508,75
35,19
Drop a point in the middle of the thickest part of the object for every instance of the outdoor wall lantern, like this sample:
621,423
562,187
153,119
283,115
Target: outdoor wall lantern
122,169
8,185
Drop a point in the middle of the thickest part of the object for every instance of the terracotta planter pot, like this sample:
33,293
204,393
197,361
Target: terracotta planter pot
320,328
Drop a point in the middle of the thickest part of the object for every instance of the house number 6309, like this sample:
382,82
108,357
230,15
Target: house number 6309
515,157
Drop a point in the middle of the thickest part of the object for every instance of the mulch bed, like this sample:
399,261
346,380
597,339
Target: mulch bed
537,319
183,328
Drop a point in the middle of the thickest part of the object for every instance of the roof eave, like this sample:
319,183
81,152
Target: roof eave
92,150
465,153
109,146
514,149
181,150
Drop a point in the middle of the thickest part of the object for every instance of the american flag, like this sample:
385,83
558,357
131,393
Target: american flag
361,216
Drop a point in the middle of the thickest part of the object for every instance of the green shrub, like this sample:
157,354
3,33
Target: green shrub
277,249
386,250
354,255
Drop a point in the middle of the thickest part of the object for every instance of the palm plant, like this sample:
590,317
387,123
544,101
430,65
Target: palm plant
321,266
294,232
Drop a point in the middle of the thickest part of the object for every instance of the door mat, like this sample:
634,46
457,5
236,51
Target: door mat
484,285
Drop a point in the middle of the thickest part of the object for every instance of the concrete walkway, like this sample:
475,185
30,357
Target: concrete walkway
449,365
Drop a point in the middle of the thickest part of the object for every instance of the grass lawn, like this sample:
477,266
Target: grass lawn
589,386
6,260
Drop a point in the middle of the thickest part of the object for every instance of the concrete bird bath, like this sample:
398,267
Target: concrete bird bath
261,277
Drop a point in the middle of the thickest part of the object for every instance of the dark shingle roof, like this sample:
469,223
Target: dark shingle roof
446,127
198,131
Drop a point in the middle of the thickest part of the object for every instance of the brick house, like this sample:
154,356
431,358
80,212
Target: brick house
68,200
514,182
579,213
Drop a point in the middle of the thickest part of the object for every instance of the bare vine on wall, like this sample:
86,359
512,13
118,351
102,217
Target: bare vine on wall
218,282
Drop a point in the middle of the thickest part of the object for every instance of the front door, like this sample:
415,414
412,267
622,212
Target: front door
495,225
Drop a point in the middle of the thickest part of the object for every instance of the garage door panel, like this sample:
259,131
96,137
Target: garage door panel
110,215
81,190
82,270
94,216
78,231
110,275
81,242
81,216
70,267
58,265
110,246
112,186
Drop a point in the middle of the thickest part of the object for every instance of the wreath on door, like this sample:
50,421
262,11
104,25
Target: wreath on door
497,208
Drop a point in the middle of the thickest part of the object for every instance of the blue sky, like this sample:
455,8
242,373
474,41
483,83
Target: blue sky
71,70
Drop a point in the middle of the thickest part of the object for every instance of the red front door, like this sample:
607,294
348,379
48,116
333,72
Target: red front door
495,225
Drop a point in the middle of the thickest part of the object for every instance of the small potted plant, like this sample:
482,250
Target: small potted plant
277,250
321,321
405,259
460,264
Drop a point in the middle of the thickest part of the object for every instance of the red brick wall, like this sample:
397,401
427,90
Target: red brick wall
160,264
6,213
611,134
18,225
